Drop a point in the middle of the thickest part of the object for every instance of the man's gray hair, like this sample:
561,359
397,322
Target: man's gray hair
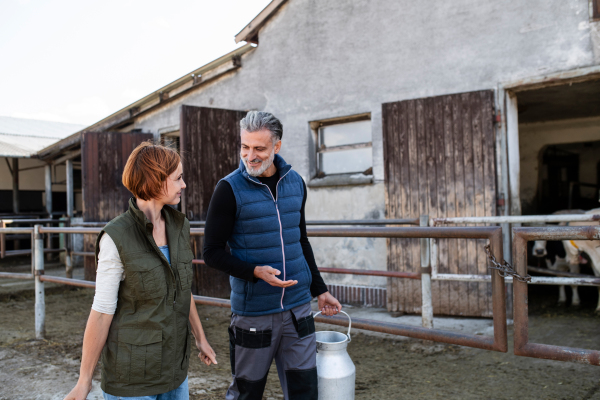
258,120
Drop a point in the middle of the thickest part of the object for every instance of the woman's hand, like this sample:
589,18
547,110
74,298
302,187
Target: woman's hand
79,392
207,354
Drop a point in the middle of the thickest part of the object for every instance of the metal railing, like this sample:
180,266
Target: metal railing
497,343
558,278
5,222
493,234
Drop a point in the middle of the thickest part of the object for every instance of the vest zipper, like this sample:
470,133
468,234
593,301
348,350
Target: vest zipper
280,226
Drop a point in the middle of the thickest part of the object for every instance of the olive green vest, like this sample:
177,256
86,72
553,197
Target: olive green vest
148,346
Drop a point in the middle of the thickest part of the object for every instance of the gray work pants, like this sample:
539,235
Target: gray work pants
287,337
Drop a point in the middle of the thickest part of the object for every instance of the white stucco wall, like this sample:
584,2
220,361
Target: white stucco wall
319,60
32,179
533,138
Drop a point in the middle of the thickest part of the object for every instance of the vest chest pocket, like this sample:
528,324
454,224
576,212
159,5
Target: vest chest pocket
186,272
139,355
147,278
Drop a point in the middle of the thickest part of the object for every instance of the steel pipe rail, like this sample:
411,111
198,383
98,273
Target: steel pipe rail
518,219
367,272
25,252
20,230
482,232
68,281
402,221
522,346
535,280
212,301
34,221
415,332
15,275
51,229
375,232
552,272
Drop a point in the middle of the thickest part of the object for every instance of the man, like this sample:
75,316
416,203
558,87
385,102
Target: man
258,210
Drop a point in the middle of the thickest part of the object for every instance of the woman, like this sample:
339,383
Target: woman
141,315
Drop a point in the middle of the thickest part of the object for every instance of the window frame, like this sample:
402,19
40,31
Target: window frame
321,149
595,10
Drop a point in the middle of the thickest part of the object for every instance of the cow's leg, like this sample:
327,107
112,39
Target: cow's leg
562,297
575,302
575,269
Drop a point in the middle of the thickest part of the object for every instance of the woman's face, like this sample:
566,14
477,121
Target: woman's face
174,185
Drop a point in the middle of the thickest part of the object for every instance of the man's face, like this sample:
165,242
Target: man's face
258,151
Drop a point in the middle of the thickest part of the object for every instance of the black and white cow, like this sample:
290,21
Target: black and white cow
573,250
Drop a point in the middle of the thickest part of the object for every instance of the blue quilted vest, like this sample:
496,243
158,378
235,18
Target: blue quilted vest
267,232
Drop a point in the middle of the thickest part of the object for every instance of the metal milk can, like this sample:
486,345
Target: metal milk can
335,369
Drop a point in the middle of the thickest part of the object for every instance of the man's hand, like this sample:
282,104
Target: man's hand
269,275
79,392
328,305
207,354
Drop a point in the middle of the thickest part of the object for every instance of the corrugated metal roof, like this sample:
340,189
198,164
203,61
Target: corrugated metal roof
21,137
34,127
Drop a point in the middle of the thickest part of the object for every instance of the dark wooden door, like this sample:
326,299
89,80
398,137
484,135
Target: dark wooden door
210,147
103,157
439,160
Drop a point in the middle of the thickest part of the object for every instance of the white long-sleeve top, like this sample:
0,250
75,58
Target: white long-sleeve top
109,275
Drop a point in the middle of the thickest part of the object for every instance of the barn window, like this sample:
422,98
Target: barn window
344,145
169,136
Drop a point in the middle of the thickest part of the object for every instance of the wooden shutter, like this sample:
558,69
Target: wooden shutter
210,147
103,157
439,160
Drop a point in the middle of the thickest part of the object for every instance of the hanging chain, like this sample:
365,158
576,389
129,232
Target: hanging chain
505,269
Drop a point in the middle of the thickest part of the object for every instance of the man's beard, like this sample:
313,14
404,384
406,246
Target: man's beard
264,166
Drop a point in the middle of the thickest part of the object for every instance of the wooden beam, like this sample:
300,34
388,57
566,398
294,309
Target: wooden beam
15,181
48,178
69,156
8,165
514,164
70,193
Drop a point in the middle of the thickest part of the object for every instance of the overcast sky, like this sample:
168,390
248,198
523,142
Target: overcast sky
80,60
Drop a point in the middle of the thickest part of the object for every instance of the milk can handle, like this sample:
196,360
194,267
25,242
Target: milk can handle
349,323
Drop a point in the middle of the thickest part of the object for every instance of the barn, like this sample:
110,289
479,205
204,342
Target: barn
390,110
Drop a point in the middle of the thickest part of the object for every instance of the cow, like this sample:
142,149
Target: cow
561,259
573,250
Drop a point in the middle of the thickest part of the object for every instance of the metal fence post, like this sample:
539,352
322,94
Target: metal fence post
40,302
426,302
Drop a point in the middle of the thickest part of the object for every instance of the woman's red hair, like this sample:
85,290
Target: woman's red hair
147,169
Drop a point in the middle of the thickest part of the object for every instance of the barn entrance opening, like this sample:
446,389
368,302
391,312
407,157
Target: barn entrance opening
559,158
559,143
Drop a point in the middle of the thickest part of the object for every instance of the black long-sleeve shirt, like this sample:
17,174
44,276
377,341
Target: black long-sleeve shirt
219,226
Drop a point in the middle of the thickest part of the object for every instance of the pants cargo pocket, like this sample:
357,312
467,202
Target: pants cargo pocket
139,355
252,339
304,326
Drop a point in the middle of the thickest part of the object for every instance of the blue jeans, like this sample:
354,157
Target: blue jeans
181,393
